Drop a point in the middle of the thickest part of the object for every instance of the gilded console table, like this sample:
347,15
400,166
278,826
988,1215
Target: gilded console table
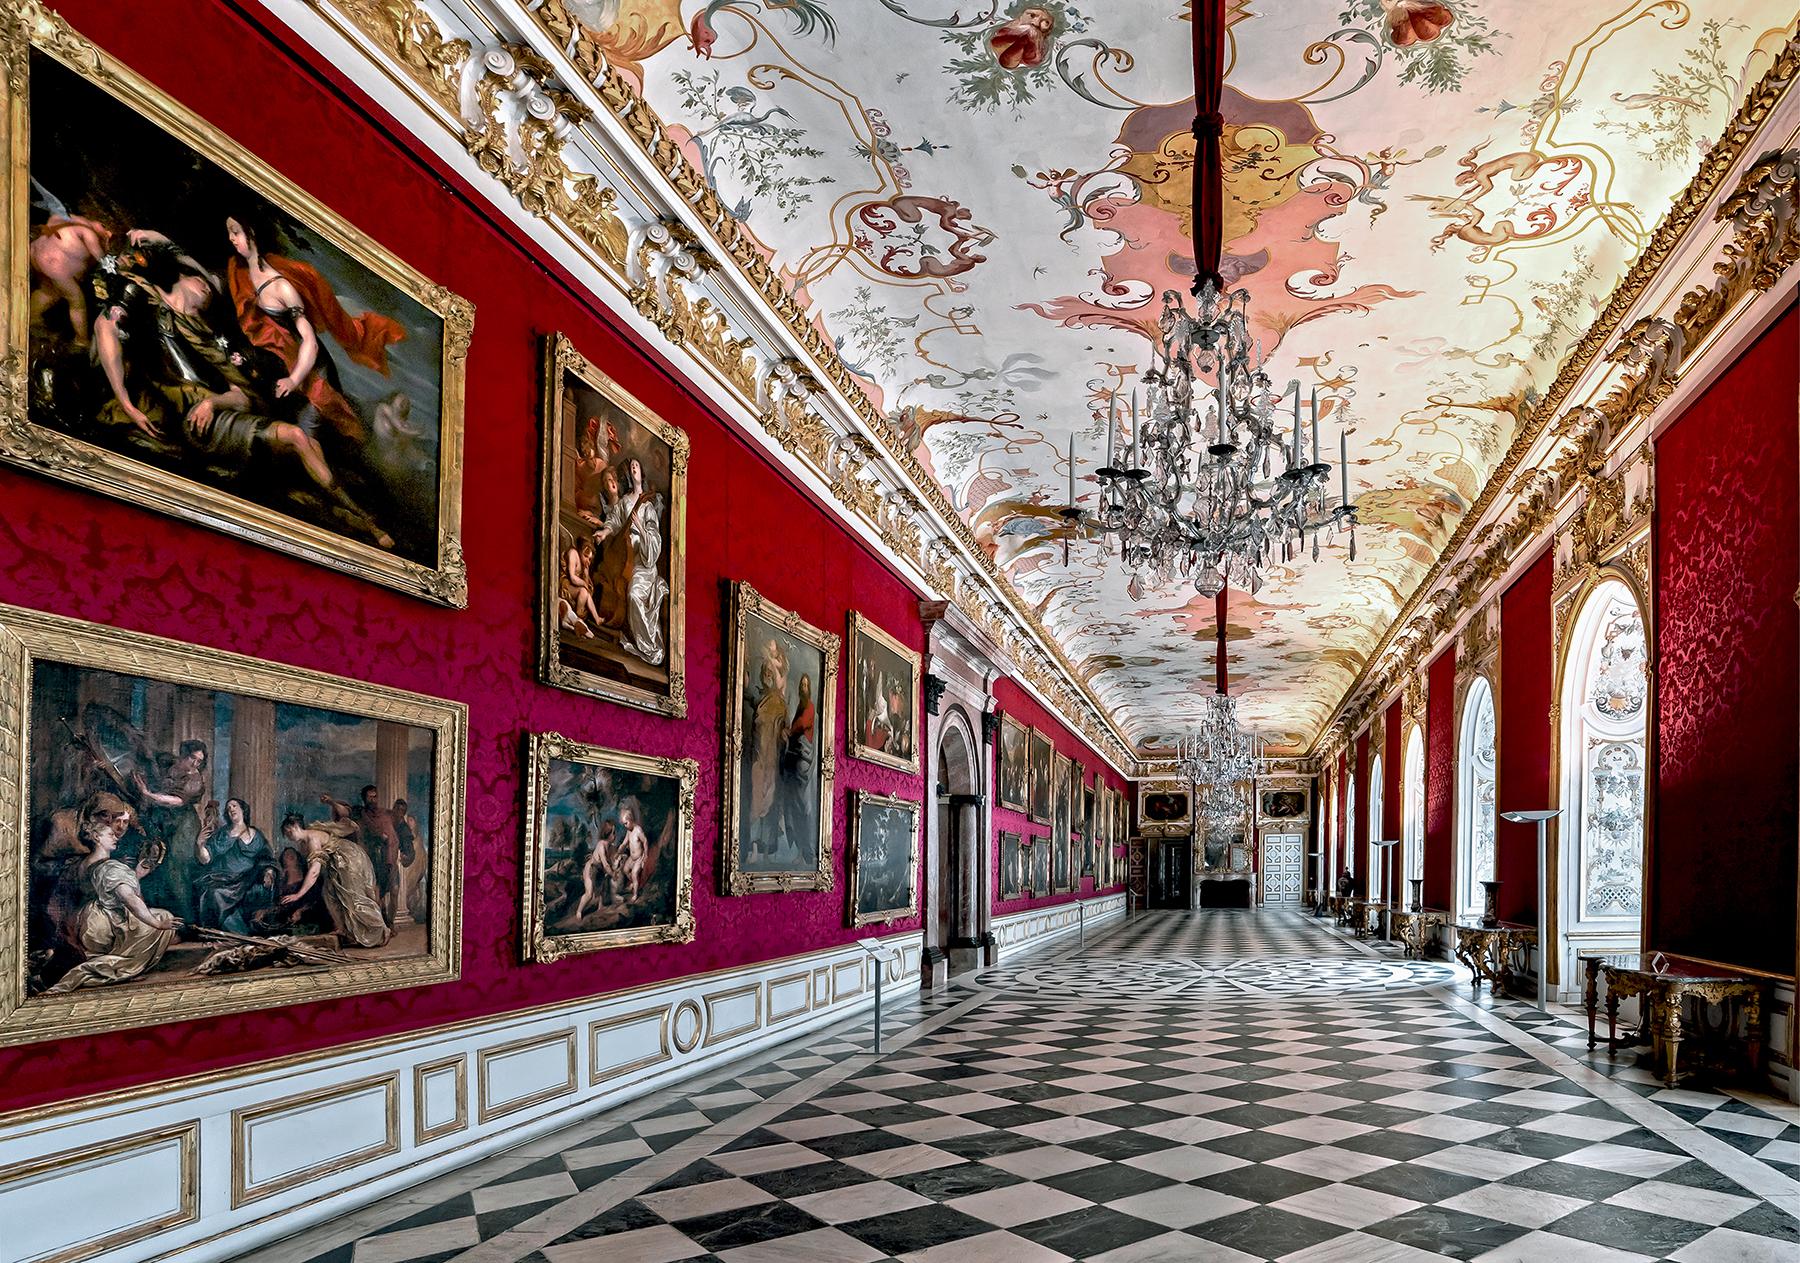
1414,927
1493,952
1666,986
1365,916
1593,964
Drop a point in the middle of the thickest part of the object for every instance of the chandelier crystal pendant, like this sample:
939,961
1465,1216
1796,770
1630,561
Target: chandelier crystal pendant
1218,758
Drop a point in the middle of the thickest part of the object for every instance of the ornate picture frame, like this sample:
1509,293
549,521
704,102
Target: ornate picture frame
363,883
187,469
629,645
873,733
1041,786
768,652
1039,885
655,802
874,863
1062,827
1014,764
1015,859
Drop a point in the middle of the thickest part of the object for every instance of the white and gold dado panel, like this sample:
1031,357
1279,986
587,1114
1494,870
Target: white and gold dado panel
215,1165
1036,926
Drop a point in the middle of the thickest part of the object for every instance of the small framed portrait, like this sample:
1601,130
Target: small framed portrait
884,858
884,694
612,546
1163,806
1043,788
1015,861
1283,804
778,763
1015,758
609,858
1039,886
199,336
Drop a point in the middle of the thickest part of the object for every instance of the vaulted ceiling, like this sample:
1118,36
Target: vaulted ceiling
982,203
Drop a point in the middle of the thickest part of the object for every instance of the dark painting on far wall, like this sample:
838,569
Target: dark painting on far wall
205,833
884,691
1284,804
884,858
1061,844
1164,806
208,340
1043,787
613,547
1040,867
1015,859
1015,760
778,766
609,860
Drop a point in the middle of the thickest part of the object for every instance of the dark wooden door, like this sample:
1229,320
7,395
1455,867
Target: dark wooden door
1172,873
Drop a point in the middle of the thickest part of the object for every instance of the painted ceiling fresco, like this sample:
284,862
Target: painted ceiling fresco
982,204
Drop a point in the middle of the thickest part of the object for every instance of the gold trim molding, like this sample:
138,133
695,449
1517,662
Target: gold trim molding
187,1211
243,1192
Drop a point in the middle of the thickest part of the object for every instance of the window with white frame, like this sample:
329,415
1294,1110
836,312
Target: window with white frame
1375,888
1475,783
1606,698
1412,802
1349,838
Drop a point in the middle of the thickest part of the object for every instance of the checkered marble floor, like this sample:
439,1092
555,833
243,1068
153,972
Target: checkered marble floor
1201,1086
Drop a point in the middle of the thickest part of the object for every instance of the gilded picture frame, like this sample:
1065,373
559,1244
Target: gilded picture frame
437,571
864,805
754,624
613,672
1062,845
1015,858
32,643
1014,765
1042,787
671,882
871,739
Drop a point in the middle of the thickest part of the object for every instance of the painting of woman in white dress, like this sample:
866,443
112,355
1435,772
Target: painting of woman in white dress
614,540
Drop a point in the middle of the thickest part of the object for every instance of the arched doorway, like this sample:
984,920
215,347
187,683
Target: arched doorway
1602,755
959,891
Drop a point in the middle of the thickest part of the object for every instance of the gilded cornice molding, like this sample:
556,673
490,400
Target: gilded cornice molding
1520,503
528,95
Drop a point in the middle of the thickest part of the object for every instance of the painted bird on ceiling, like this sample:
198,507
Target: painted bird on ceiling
807,16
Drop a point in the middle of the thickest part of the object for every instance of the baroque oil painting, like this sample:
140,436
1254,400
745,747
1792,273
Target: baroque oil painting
206,833
609,860
614,549
207,340
781,691
1015,757
884,690
884,858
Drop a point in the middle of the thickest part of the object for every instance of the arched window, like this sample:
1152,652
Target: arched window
1606,697
1348,854
1328,833
1475,797
1372,863
1412,802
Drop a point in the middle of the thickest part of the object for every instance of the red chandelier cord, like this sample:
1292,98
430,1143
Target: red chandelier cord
1219,618
1208,20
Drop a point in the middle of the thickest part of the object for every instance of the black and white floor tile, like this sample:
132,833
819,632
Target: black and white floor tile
1206,1086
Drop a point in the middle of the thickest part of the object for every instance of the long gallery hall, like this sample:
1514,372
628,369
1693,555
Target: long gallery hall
957,631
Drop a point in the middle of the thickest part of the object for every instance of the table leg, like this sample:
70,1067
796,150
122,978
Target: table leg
1590,994
1612,1021
1753,1033
1671,1037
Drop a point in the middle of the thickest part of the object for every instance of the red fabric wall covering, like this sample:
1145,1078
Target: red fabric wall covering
1359,826
78,554
1393,798
1440,777
1010,698
1524,740
1727,549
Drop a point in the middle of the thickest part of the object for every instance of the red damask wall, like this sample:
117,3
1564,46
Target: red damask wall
1440,777
1722,877
1011,699
77,554
1524,737
1393,797
1359,826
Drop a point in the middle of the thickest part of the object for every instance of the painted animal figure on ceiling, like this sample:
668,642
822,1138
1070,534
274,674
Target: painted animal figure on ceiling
807,16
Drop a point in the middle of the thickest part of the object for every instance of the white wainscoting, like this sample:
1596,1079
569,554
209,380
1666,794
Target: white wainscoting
1036,926
219,1164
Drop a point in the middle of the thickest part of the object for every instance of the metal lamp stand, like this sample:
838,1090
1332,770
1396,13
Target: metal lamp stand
1541,818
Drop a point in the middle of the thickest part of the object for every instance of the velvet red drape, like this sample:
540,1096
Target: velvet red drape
1524,737
1722,875
1208,20
1440,777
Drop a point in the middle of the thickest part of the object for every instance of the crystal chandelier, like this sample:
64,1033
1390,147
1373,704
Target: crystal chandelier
1217,758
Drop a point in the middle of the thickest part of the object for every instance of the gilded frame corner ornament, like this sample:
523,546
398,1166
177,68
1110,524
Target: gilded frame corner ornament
537,945
862,625
858,799
29,636
1007,722
27,26
560,356
743,604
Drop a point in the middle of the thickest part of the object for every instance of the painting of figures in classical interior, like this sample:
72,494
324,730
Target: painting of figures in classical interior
218,836
781,688
1043,788
224,348
884,688
1039,884
1015,859
610,861
615,540
1015,756
884,858
1164,806
1061,845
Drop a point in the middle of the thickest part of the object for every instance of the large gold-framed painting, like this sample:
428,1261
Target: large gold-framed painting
884,692
1015,758
779,762
884,858
1061,844
204,338
1042,787
613,548
609,857
189,832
